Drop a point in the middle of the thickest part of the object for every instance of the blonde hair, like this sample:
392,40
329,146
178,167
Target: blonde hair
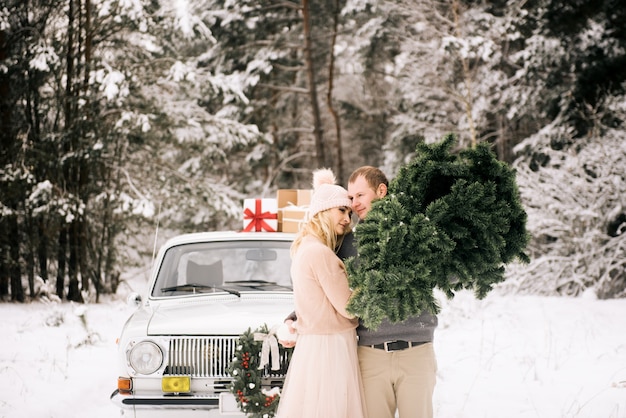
320,226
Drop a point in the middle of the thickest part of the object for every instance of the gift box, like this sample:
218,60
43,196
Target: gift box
286,197
293,218
260,215
292,199
304,197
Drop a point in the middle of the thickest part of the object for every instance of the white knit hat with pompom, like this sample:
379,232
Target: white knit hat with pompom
327,194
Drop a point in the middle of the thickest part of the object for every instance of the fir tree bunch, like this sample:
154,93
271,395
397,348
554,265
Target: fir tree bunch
390,281
450,221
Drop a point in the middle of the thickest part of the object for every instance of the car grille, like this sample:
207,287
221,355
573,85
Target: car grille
209,357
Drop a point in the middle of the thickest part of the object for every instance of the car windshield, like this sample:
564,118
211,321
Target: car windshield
229,266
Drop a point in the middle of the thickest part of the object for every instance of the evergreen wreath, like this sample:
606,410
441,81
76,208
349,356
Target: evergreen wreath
449,221
252,399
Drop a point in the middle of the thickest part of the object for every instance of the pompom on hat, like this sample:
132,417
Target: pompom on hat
327,194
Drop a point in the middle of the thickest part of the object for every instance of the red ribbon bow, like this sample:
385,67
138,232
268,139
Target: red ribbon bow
258,218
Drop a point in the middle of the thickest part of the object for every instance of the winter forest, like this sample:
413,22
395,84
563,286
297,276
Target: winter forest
119,118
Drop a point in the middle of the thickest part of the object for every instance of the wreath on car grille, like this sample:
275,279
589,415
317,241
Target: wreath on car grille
256,354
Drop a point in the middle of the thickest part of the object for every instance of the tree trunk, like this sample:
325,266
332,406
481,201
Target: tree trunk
66,173
84,242
315,108
329,97
30,255
17,291
71,172
6,141
4,268
467,98
105,246
42,249
85,271
73,291
61,257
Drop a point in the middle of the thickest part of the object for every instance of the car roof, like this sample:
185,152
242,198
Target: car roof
229,236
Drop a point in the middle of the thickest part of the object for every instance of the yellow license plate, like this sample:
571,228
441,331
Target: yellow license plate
176,384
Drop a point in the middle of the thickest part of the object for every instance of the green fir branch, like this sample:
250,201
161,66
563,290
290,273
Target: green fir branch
450,221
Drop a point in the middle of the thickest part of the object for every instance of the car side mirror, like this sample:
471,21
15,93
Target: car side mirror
134,299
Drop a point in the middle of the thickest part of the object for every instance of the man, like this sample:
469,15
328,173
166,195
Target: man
397,361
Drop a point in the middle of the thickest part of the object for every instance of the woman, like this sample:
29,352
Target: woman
323,380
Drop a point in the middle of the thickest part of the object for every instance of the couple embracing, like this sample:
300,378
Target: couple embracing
339,368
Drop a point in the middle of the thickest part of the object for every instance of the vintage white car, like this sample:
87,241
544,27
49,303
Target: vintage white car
205,290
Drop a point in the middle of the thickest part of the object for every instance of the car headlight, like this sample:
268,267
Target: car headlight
146,357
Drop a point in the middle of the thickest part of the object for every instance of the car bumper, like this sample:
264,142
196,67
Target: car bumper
176,406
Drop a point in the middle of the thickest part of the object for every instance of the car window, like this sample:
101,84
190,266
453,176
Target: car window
235,266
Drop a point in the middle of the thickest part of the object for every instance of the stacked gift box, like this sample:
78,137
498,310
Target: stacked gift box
285,213
292,207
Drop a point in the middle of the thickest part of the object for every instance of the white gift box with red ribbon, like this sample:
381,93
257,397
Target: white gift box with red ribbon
260,215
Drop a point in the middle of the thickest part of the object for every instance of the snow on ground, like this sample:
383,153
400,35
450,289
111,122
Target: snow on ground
531,356
504,356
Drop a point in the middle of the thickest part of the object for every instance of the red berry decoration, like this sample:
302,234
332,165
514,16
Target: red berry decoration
253,399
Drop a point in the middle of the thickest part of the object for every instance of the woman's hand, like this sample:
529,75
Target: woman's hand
287,334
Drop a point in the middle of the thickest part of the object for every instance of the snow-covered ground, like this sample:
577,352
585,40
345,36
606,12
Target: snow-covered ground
531,356
505,356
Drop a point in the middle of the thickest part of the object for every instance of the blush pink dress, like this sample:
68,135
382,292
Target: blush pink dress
323,380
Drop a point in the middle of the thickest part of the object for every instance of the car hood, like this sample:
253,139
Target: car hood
227,315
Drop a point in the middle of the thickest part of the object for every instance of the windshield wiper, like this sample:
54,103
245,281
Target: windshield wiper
193,286
250,281
256,283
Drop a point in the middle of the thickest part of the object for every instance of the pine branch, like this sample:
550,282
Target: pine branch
450,221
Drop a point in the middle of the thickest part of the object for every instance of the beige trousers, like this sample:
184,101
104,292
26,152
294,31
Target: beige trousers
402,380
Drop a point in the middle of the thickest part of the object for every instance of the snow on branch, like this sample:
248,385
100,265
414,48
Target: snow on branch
577,219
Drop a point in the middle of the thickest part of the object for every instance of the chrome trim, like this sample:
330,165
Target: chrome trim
209,357
200,356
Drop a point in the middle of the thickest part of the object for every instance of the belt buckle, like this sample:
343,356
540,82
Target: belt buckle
386,345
